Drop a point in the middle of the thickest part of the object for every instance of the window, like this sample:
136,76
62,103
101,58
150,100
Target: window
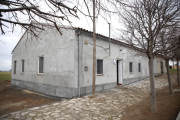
130,67
14,67
41,65
99,66
139,67
22,66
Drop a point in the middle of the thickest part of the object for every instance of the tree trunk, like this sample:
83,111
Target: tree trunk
169,77
173,66
178,72
152,86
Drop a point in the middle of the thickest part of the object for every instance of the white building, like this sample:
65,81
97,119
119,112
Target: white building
61,65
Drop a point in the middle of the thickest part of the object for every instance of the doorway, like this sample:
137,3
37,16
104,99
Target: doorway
162,68
119,72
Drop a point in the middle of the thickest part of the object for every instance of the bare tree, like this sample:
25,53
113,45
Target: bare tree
22,12
177,57
143,20
167,44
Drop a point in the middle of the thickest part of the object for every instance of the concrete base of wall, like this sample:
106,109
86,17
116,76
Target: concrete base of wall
58,91
102,87
132,80
66,92
157,74
50,90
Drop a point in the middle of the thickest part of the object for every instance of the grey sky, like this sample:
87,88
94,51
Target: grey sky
7,43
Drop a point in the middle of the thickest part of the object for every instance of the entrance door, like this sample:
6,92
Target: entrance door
119,72
162,67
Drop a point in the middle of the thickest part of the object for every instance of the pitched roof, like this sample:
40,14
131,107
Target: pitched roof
103,37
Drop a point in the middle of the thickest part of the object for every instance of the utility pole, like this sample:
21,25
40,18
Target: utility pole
94,50
109,37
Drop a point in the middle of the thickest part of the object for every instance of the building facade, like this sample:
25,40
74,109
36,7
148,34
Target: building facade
61,65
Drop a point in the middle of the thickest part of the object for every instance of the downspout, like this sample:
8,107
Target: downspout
109,39
79,67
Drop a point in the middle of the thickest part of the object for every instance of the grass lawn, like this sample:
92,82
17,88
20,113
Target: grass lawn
175,70
5,76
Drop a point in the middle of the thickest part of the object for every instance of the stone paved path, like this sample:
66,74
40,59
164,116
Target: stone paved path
106,105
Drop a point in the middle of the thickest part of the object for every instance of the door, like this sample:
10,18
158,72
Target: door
119,72
162,67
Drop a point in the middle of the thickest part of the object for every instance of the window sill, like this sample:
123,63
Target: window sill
100,74
131,73
40,74
22,73
14,73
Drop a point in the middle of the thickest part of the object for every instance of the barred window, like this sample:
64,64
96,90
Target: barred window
22,66
15,67
130,67
99,66
41,64
139,67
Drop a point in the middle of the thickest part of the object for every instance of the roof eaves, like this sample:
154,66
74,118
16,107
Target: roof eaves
104,37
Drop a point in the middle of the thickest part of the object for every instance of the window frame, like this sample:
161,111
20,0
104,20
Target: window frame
22,72
139,67
101,69
15,67
42,64
130,63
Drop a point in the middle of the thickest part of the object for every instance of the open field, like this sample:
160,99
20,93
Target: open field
175,70
5,76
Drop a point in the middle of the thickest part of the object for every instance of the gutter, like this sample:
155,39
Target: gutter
109,39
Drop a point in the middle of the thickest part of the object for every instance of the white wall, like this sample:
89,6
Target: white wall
58,52
109,69
157,65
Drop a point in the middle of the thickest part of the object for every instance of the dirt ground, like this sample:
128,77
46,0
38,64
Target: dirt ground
168,106
12,99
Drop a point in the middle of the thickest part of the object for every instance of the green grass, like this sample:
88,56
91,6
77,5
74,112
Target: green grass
5,76
171,70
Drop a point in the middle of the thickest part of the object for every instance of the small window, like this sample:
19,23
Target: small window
99,66
130,67
139,67
14,67
41,65
22,66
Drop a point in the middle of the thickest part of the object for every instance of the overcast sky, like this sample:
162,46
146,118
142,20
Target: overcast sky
7,43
